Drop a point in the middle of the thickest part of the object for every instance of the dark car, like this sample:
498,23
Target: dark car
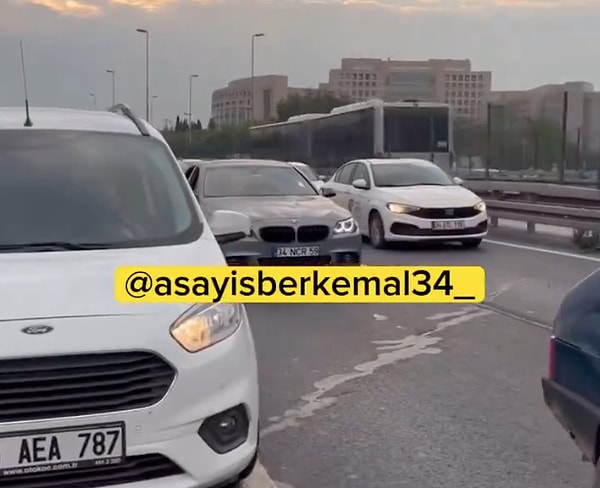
572,388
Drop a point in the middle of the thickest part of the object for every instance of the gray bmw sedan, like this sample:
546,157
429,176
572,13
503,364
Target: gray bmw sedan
291,223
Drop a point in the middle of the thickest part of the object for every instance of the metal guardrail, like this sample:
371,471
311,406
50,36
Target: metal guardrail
540,203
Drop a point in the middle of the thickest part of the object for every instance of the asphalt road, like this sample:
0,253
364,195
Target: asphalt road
427,396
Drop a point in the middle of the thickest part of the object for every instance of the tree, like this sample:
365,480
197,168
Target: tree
177,124
312,102
212,124
218,142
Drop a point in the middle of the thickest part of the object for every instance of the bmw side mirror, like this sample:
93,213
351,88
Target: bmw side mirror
228,226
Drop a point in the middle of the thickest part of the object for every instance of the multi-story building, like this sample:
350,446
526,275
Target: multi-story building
232,105
546,102
443,80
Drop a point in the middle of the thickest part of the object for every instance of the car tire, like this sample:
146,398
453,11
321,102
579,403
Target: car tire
376,232
471,243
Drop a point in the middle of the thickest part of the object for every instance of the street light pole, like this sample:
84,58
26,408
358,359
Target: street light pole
145,31
112,74
154,97
254,36
190,111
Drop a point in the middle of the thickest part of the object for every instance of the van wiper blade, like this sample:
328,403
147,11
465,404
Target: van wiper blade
52,246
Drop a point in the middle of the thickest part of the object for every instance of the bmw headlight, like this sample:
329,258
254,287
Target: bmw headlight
480,206
205,325
401,208
346,226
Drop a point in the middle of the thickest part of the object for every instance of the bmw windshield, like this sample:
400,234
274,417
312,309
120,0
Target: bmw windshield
307,172
255,181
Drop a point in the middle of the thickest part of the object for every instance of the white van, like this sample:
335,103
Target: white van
94,392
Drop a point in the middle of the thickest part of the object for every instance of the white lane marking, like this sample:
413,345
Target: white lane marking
459,313
406,348
514,316
259,478
543,250
378,317
504,288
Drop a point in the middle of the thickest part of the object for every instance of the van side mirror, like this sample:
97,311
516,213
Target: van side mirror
228,226
458,181
328,192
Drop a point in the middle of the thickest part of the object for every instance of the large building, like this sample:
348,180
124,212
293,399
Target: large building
232,105
546,103
443,80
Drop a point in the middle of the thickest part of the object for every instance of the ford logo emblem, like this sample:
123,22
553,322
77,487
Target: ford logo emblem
37,329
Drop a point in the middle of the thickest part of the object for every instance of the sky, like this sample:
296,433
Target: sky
69,44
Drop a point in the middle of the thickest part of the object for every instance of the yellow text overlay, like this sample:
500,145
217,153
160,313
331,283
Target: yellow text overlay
301,284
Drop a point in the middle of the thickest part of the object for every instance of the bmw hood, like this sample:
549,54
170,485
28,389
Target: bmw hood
432,196
275,208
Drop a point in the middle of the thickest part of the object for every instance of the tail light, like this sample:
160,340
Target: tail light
552,358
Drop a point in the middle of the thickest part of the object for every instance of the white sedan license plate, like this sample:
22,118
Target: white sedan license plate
46,451
297,252
449,225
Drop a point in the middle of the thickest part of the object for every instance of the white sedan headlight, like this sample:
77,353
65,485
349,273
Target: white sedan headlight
204,325
401,208
480,206
346,226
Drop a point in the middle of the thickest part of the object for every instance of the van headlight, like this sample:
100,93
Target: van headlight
205,325
346,226
480,206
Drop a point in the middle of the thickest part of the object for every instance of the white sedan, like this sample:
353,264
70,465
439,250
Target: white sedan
408,200
308,173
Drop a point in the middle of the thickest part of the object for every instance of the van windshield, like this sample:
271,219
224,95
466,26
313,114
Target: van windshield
90,190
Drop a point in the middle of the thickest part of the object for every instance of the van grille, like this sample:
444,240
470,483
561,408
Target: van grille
133,469
64,386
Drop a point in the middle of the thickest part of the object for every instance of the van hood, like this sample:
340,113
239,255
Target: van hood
43,285
432,196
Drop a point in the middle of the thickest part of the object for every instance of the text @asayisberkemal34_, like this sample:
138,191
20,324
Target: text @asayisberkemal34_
300,284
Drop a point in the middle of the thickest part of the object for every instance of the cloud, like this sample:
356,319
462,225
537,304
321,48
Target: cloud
90,8
70,7
148,5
